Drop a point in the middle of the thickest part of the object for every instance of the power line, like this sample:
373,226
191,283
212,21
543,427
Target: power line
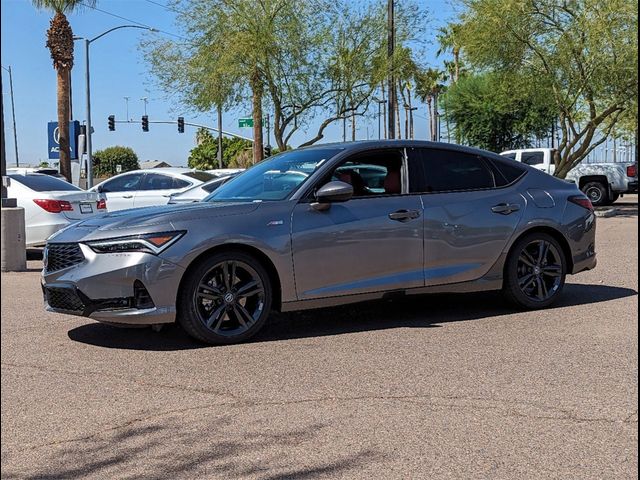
137,23
166,7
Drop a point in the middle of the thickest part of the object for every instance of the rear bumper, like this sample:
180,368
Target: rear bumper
632,187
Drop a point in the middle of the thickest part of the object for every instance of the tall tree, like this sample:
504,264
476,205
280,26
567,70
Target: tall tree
449,40
429,84
60,44
586,49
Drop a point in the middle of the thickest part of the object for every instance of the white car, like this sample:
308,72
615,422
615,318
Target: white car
51,204
224,172
199,192
144,188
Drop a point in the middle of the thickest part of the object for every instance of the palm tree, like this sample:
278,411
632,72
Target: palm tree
60,43
449,39
428,86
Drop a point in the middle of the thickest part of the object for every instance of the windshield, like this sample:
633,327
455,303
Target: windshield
273,179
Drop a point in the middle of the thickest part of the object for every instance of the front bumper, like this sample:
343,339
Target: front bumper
105,287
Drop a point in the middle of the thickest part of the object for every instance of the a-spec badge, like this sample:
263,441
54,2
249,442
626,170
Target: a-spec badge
274,223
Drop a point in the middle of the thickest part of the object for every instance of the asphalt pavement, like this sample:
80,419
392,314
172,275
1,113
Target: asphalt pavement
446,386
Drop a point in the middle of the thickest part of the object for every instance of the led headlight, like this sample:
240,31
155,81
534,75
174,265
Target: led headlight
152,243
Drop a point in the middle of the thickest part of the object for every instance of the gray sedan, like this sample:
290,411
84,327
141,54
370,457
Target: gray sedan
327,225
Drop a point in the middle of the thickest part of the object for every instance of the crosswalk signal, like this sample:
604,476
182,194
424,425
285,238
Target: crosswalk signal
112,123
180,124
145,123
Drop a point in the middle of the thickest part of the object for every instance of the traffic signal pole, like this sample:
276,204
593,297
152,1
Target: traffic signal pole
89,172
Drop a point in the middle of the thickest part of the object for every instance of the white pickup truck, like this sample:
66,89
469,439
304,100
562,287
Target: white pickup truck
603,183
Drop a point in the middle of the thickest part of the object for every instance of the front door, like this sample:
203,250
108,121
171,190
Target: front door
371,243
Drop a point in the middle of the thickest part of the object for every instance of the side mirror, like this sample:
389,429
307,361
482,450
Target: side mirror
331,192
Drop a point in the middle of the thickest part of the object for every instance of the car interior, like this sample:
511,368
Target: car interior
376,173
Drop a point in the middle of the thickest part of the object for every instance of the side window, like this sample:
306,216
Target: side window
179,183
505,171
157,181
371,174
125,183
434,170
533,158
511,155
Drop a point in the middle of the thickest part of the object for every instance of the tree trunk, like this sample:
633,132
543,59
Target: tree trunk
384,111
396,108
430,118
353,127
257,91
63,122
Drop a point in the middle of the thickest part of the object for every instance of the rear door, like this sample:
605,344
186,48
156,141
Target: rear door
371,243
470,213
121,190
156,189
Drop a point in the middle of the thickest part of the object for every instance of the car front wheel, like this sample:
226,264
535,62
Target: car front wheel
535,271
225,299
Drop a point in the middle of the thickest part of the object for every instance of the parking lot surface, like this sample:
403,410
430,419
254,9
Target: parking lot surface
446,386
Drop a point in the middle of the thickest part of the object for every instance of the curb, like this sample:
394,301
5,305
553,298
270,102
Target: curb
610,212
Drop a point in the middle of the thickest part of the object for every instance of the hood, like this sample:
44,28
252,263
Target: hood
143,220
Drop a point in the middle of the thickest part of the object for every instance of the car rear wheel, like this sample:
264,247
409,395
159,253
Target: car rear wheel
226,299
597,192
535,271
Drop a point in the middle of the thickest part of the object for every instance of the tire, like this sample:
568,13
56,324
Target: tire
597,192
521,277
226,299
614,197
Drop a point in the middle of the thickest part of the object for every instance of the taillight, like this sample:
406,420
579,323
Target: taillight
632,171
102,204
581,200
54,206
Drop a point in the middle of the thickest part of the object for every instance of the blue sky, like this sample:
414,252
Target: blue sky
117,71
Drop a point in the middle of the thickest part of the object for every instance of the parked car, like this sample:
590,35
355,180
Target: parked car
44,170
224,172
197,193
143,188
603,183
51,204
304,229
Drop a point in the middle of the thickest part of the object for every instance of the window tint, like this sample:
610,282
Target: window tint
179,183
506,171
512,155
211,186
125,183
532,158
44,183
198,175
448,171
376,173
157,181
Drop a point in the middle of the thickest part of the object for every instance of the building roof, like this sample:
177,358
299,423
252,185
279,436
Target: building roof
154,164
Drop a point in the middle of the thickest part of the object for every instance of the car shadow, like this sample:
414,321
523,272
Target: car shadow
423,311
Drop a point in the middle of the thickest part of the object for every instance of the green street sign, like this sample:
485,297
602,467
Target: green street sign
245,122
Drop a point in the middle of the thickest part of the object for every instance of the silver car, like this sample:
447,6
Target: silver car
327,225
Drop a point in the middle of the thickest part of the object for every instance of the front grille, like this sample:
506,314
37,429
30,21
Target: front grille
63,299
62,255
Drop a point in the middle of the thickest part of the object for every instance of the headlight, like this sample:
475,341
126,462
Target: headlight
152,243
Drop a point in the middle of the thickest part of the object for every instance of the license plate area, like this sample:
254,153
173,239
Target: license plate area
86,208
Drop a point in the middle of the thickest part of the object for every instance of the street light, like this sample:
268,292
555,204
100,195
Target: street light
88,42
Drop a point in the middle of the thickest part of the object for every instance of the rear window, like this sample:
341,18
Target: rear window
506,171
45,183
198,175
532,158
210,187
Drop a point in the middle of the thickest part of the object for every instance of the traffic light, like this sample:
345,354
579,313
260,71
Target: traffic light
267,151
180,124
112,123
145,123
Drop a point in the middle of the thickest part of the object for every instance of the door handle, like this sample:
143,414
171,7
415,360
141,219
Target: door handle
404,215
127,196
505,208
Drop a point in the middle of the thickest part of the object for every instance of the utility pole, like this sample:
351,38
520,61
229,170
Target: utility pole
219,136
145,100
126,101
13,115
392,82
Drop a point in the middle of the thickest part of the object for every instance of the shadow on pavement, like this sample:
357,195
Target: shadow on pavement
423,311
172,445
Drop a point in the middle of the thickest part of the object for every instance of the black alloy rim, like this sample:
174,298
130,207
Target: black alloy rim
539,270
229,298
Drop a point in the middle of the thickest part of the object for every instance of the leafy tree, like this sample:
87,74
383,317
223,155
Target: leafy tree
448,38
500,112
60,44
106,160
204,155
586,49
429,85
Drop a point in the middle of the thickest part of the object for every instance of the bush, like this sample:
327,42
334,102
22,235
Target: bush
205,155
105,161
